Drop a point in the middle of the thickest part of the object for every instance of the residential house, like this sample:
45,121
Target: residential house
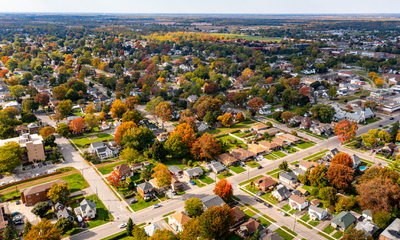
239,215
248,228
136,167
162,137
155,185
103,151
369,228
145,190
391,78
322,129
281,193
151,229
178,220
281,142
212,201
216,167
343,220
227,159
288,177
257,149
392,232
265,183
356,160
367,214
271,132
174,170
271,236
331,154
176,185
192,98
269,146
298,171
302,190
193,172
21,129
66,213
123,171
305,123
203,127
345,74
289,137
243,154
304,165
33,143
297,202
317,213
296,120
38,193
259,127
33,128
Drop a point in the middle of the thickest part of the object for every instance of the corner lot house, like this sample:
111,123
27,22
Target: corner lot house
32,195
65,213
212,201
193,172
317,213
151,229
123,171
87,209
257,149
297,202
289,137
392,232
269,146
265,183
177,221
174,170
343,220
102,150
145,190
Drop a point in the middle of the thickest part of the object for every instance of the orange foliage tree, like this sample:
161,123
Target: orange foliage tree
187,117
164,111
224,189
269,80
46,131
186,132
346,130
239,117
226,119
114,179
340,176
121,130
77,125
342,158
117,109
206,147
256,103
131,103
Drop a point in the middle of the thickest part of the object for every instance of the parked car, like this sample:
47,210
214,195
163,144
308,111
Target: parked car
44,163
122,225
380,125
282,213
14,214
134,200
191,182
156,205
391,118
259,167
267,205
40,165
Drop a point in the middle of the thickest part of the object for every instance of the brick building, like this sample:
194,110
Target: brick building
32,195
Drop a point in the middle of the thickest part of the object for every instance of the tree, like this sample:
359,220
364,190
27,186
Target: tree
164,111
47,131
206,147
379,194
64,108
29,105
224,189
11,112
346,130
191,230
114,178
90,109
239,117
117,109
131,103
121,130
133,116
152,104
27,227
215,222
342,158
139,234
248,115
370,139
332,92
130,155
210,118
194,207
10,156
158,151
146,174
44,230
343,204
340,176
63,129
256,103
385,136
318,175
256,235
379,82
381,219
129,227
162,175
376,172
7,233
328,194
59,92
286,116
323,112
175,146
17,91
226,119
283,166
138,138
43,99
59,193
353,234
303,178
64,225
91,121
163,234
77,125
277,115
186,132
40,209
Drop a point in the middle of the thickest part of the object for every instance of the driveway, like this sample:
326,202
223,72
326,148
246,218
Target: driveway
25,211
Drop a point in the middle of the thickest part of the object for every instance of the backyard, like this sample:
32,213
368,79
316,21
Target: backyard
81,142
142,204
103,215
75,182
231,143
236,125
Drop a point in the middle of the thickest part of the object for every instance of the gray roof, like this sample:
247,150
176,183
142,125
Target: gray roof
194,171
65,213
367,212
98,144
393,231
299,171
283,191
145,186
316,209
368,227
85,204
101,150
217,166
288,175
344,219
212,200
174,169
151,229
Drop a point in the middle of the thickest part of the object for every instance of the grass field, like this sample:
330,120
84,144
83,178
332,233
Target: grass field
221,176
75,182
198,183
108,168
236,125
252,164
142,204
230,146
206,179
100,137
248,37
237,169
264,222
286,207
316,155
305,145
337,235
329,229
248,214
103,215
284,234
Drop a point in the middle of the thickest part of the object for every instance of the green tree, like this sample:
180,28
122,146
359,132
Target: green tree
304,178
317,176
59,193
328,194
10,156
91,121
332,92
64,225
40,209
7,233
158,151
146,174
133,116
382,219
210,118
256,235
324,112
191,231
30,105
63,129
194,207
283,166
130,155
17,91
129,227
176,147
64,107
138,138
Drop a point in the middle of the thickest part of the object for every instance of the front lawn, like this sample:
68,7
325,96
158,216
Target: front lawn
108,168
248,214
221,176
318,154
237,169
305,145
206,179
252,164
314,223
284,234
286,208
142,204
75,182
273,171
280,154
198,183
337,235
294,163
269,198
305,218
329,229
81,142
236,125
103,215
264,222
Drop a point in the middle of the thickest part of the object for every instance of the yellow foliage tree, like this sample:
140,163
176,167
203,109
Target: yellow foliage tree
226,119
118,108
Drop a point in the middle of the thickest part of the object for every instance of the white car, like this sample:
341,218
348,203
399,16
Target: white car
156,205
122,225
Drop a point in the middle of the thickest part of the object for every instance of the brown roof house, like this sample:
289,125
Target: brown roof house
297,202
123,171
304,165
176,184
178,220
227,159
271,131
258,127
239,215
243,154
289,137
256,149
32,195
265,183
249,227
21,129
156,188
281,142
270,146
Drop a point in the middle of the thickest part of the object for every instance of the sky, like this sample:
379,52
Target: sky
203,6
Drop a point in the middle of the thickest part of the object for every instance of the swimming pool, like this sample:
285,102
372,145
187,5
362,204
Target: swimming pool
362,168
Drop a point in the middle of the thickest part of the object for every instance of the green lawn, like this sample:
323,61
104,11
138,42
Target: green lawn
305,218
371,120
269,198
329,229
293,211
269,218
250,180
142,204
325,236
80,142
290,231
275,175
17,194
284,234
337,235
294,163
305,145
237,169
248,37
286,208
104,216
236,125
273,171
177,162
108,168
198,183
76,182
304,224
318,154
206,179
314,223
221,176
264,222
248,214
230,146
253,208
252,164
280,154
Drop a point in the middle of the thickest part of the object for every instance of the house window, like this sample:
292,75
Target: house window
37,194
29,196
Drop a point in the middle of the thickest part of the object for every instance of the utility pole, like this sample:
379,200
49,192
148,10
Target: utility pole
294,224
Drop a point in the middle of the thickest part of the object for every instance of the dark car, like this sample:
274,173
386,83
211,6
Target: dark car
380,125
134,200
267,205
259,167
391,118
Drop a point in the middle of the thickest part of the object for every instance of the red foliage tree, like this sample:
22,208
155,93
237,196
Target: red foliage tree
342,158
42,99
256,103
346,130
77,125
305,90
206,146
340,176
269,80
211,88
224,189
114,179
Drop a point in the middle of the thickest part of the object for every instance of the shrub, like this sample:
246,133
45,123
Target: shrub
189,163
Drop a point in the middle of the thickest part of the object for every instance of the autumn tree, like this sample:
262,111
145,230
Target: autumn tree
286,116
239,117
47,131
10,156
30,105
91,121
77,125
186,132
215,222
114,178
370,139
130,155
133,116
59,193
63,129
377,172
346,130
117,109
131,103
269,80
59,92
121,130
43,99
64,108
44,230
226,119
382,219
194,207
256,103
163,235
340,176
16,91
175,146
354,234
191,230
224,189
90,109
158,151
162,175
318,175
138,138
385,136
11,112
342,158
206,147
164,111
344,204
187,117
328,194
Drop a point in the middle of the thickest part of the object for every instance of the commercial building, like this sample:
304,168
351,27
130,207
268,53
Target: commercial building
33,143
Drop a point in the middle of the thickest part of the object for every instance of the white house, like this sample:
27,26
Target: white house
102,150
177,221
151,229
297,202
281,193
317,213
87,209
